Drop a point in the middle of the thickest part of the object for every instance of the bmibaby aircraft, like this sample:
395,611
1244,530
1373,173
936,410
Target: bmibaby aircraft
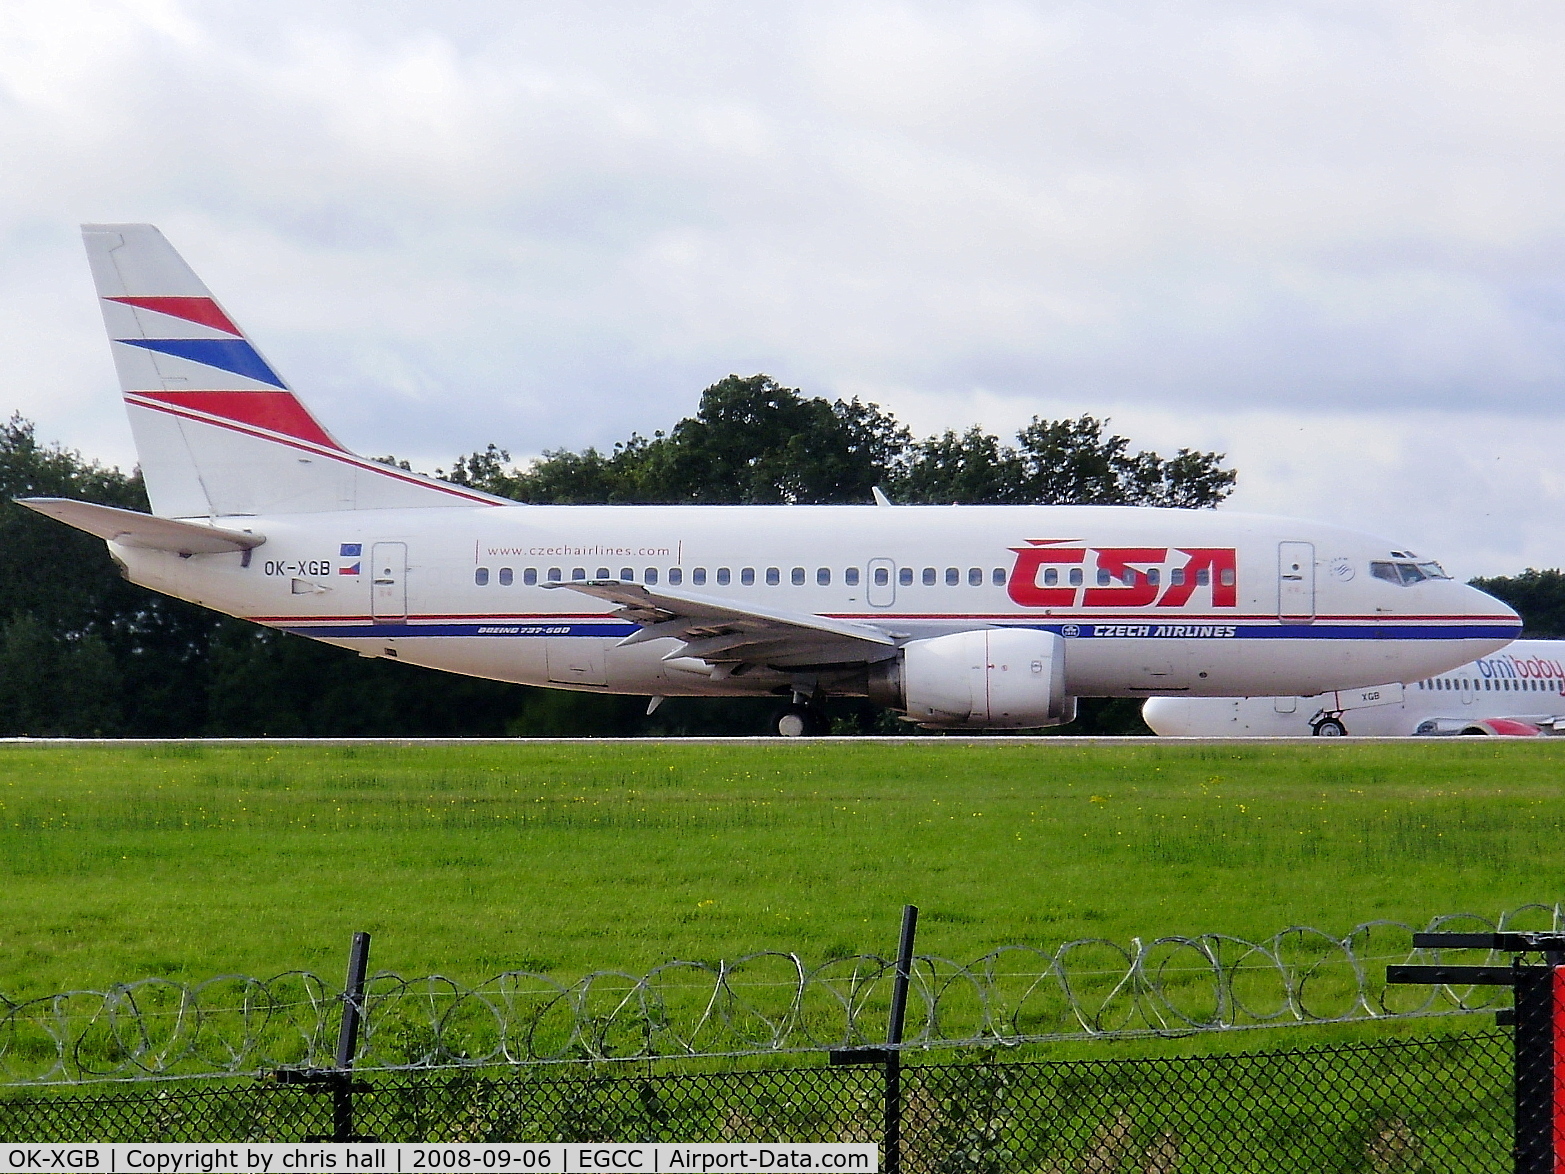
1516,693
955,616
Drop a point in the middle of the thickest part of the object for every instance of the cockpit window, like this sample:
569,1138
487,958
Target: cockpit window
1406,574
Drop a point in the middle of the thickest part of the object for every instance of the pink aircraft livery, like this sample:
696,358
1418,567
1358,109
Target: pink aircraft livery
1516,693
956,617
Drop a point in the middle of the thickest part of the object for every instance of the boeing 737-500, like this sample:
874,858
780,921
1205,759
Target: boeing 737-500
956,617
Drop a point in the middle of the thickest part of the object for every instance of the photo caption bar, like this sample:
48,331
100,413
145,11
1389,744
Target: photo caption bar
388,1158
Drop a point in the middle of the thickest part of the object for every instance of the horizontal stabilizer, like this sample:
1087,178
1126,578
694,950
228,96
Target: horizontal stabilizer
143,531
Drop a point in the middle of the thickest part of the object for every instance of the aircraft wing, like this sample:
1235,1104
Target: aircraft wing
722,633
128,528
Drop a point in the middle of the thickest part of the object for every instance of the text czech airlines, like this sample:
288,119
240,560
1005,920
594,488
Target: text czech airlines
1049,573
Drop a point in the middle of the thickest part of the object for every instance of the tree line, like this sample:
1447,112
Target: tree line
84,653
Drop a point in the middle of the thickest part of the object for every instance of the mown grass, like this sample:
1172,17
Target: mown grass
193,860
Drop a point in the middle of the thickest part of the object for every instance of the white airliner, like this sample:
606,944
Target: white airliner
955,616
1516,693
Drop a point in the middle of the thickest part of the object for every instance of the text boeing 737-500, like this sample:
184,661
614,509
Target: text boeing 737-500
958,617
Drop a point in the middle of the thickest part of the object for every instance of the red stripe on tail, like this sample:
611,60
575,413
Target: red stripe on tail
276,411
203,311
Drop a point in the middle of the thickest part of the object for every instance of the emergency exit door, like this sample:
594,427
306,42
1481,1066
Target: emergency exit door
389,582
880,589
1296,581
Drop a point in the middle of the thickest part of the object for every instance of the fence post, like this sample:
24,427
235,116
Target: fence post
1538,1023
893,1120
348,1037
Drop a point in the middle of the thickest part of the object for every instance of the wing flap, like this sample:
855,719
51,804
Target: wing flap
718,631
143,531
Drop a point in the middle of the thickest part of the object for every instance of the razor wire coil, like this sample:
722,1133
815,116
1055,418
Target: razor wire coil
767,1002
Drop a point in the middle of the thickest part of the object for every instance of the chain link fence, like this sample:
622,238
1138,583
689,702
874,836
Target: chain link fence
1424,1105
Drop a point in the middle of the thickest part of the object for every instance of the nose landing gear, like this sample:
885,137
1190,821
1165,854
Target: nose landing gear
1325,725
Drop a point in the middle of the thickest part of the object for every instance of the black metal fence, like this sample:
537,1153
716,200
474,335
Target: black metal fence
1430,1104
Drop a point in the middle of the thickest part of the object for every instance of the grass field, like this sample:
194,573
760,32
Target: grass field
193,860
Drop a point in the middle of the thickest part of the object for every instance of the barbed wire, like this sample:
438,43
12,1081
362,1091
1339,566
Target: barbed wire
763,1003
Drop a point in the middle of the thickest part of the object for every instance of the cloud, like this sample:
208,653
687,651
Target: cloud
1326,229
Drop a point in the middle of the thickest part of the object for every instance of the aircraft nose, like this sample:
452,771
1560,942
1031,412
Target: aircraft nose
1497,623
1481,603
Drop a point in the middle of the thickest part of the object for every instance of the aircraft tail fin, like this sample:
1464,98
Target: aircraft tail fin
218,431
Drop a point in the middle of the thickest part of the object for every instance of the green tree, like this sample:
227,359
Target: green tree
750,442
1060,462
1537,596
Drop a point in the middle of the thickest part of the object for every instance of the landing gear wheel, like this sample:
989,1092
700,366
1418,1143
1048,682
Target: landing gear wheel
798,721
1331,728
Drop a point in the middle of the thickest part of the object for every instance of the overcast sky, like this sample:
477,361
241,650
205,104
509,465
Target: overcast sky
1326,238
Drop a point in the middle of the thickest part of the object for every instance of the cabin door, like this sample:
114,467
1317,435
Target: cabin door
389,582
1296,581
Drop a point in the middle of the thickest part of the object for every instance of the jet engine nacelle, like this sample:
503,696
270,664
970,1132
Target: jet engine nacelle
989,679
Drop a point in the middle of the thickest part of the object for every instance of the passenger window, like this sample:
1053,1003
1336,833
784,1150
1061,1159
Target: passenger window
603,573
481,576
530,577
823,577
1128,577
628,574
773,576
998,577
1176,577
882,576
975,576
1103,578
905,576
747,576
1075,576
698,576
506,576
675,576
1227,577
1153,576
953,576
650,575
1203,578
578,572
722,576
798,576
1051,577
929,576
851,576
554,574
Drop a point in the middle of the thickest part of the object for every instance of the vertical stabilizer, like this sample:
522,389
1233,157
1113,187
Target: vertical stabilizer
218,432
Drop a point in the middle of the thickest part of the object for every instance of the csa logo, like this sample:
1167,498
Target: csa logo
1054,572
